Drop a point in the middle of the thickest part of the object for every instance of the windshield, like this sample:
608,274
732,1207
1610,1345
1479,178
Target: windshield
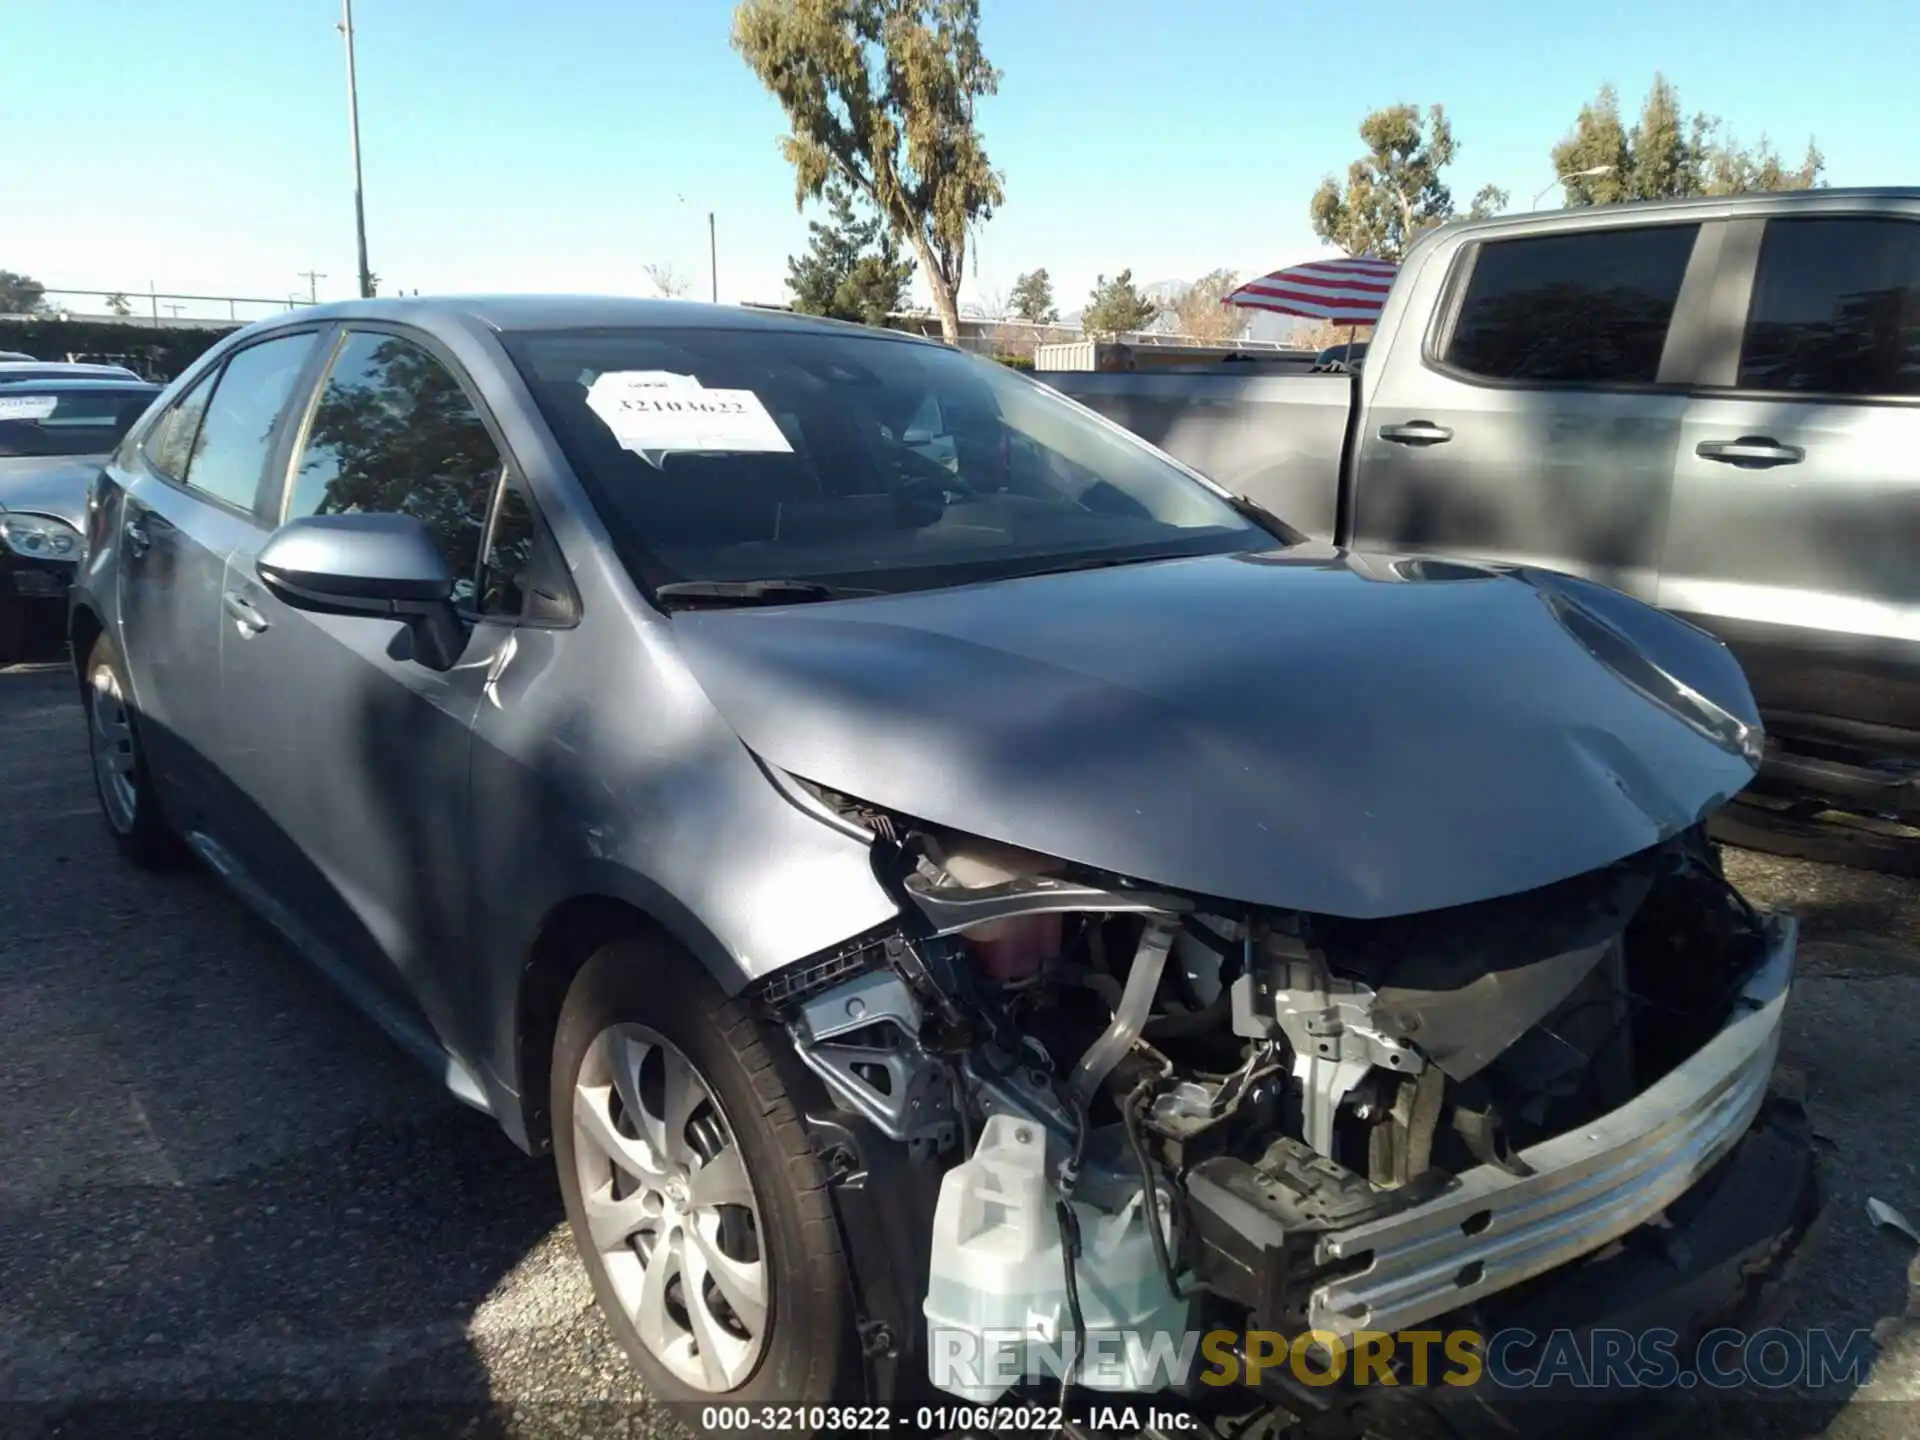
725,455
67,422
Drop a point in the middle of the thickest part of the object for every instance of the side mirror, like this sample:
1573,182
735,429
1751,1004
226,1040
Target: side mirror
379,566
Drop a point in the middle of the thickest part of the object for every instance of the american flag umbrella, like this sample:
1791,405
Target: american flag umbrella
1347,292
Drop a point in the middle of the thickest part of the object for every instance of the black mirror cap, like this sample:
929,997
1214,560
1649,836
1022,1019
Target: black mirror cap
360,564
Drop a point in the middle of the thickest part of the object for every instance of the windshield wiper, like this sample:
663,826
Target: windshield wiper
685,593
1250,509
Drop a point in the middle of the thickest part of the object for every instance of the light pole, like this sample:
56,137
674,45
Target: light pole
713,256
1587,174
353,131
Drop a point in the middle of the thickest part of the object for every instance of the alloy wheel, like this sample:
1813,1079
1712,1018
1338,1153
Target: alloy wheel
670,1209
110,731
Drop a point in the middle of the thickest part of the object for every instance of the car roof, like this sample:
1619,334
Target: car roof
580,312
65,383
13,369
1893,199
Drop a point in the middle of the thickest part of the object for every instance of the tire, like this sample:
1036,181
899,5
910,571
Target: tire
122,779
643,1003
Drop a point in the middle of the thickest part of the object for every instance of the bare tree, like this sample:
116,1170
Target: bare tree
671,284
1202,311
992,305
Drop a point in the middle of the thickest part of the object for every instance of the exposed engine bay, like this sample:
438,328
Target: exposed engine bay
1141,1104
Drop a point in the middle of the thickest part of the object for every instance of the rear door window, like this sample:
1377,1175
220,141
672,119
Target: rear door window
1579,309
1836,308
229,454
170,443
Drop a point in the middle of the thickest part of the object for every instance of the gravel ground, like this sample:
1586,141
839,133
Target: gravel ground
217,1184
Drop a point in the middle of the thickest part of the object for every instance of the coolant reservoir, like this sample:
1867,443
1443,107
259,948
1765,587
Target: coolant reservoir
996,1303
1014,948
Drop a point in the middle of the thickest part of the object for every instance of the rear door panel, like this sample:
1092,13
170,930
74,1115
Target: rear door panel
170,544
1806,557
173,547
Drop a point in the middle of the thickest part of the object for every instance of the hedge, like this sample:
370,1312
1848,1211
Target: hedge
159,354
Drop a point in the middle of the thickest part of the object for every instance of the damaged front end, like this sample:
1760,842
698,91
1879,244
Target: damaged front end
1064,1103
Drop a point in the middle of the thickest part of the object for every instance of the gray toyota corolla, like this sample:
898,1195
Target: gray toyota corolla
950,885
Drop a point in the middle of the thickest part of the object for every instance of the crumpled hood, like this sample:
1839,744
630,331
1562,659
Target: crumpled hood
55,486
1310,729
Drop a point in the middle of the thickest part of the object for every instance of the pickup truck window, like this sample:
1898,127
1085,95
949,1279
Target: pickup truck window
1836,308
1574,309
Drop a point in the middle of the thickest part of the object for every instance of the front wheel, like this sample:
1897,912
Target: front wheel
698,1206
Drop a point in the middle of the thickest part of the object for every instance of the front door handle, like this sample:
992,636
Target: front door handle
1760,451
249,619
138,540
1416,432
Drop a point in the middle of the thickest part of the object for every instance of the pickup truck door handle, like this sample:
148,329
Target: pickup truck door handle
250,620
1416,432
1756,450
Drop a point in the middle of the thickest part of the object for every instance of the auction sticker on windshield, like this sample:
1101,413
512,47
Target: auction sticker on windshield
655,413
27,407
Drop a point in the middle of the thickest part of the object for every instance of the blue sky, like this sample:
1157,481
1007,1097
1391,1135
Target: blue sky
202,144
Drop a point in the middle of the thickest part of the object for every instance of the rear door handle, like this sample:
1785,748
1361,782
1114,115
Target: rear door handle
1761,451
250,620
1416,432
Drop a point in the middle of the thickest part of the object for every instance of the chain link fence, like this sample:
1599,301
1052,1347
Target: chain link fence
160,309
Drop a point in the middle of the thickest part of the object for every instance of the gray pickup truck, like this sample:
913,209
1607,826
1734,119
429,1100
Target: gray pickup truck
1713,405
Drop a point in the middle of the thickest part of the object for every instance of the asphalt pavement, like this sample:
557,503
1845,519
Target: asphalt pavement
219,1187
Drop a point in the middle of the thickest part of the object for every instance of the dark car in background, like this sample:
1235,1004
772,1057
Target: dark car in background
55,433
858,808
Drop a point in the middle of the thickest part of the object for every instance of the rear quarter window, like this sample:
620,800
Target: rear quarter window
1836,308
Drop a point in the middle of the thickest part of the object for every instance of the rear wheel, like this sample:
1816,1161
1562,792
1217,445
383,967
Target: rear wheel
121,776
697,1204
